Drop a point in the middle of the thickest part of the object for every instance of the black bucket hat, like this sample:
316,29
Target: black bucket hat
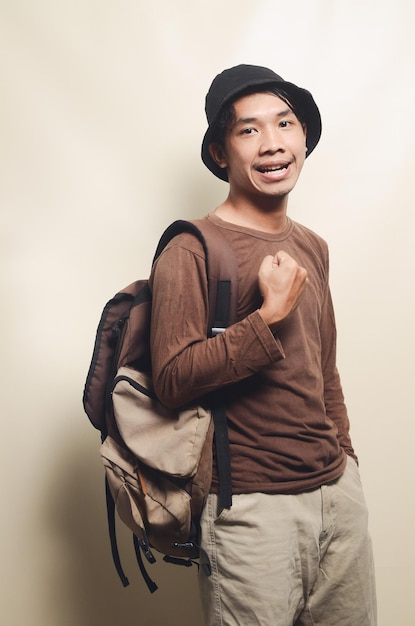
230,83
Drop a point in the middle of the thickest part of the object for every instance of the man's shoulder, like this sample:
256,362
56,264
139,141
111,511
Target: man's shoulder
185,241
305,233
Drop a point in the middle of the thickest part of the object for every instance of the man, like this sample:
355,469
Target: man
294,547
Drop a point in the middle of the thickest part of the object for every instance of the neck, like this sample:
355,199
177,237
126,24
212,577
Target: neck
269,217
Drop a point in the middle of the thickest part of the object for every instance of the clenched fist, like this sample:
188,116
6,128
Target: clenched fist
281,283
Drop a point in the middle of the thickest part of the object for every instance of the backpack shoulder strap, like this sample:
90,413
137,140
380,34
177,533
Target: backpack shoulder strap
221,268
222,275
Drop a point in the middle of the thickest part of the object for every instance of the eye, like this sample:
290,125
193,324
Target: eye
247,131
285,123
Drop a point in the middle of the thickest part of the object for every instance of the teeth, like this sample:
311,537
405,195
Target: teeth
274,169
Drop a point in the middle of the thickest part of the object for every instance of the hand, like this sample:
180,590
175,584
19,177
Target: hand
281,282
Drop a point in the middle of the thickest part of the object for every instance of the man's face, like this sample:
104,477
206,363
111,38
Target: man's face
265,148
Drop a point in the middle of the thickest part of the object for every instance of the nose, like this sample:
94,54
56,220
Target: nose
271,141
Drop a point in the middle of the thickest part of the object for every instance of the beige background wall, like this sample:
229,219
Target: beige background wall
100,127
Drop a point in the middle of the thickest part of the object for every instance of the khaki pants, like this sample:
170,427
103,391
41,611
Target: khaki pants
290,560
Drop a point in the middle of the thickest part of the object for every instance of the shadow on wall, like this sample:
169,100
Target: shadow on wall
81,586
84,588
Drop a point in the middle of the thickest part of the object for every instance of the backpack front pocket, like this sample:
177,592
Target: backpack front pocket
168,440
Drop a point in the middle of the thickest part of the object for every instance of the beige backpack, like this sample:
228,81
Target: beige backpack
158,462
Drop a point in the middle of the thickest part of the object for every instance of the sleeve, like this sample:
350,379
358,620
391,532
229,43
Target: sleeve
186,365
333,394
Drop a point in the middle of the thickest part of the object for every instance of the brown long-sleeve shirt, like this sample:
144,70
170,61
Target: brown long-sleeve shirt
288,424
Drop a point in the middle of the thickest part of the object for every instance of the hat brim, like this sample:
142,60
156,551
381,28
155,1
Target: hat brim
299,96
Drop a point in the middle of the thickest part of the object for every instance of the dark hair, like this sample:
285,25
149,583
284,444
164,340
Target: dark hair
227,114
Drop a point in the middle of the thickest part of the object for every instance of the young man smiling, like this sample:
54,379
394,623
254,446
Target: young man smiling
263,157
294,547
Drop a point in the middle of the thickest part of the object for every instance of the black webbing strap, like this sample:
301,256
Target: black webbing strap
222,309
220,420
113,535
223,457
149,582
114,545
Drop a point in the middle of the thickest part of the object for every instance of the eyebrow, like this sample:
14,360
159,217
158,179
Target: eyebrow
249,120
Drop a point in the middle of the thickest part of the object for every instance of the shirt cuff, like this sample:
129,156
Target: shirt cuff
269,341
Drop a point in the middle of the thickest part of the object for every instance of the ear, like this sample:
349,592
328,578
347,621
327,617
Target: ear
305,137
218,154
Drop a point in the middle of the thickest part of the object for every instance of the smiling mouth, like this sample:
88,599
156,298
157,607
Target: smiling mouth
273,168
